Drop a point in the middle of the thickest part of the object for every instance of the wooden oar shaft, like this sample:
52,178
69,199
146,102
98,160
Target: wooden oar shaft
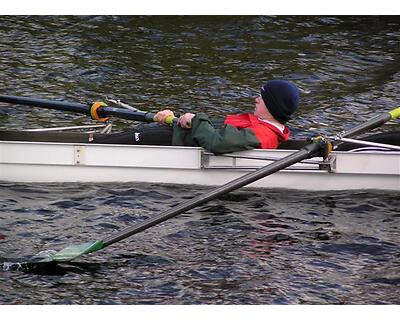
307,152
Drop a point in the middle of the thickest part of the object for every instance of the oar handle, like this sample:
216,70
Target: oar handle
395,114
170,120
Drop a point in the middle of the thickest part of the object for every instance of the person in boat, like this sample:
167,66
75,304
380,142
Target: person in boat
263,129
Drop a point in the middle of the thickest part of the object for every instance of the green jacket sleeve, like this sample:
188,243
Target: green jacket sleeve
217,140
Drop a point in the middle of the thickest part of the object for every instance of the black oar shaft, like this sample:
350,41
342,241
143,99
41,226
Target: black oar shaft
48,104
304,153
80,108
127,114
369,125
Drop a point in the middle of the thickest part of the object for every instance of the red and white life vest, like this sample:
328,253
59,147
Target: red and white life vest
267,134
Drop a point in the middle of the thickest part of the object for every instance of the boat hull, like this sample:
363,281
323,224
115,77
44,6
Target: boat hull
24,161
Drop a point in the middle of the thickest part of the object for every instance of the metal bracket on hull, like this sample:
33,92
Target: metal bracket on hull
252,162
328,164
79,155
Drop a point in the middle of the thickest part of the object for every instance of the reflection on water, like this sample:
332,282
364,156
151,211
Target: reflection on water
252,247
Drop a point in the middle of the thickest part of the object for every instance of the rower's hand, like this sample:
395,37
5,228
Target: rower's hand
185,121
164,114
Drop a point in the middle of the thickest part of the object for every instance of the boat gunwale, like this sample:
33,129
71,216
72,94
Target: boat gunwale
230,154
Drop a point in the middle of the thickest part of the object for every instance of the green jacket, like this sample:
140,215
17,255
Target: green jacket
214,136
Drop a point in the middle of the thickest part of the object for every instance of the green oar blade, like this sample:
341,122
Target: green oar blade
46,260
74,251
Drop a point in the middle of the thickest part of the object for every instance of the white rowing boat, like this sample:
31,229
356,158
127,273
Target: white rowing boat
65,157
52,158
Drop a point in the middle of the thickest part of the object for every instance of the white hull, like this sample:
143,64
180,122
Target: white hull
72,162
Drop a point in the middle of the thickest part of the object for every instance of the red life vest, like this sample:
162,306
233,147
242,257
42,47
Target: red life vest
267,134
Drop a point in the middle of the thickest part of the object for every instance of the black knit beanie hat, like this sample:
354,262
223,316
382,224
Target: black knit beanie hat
281,98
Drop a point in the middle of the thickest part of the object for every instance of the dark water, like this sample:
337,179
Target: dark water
252,247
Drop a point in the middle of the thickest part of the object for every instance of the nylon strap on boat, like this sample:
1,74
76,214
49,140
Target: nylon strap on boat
94,111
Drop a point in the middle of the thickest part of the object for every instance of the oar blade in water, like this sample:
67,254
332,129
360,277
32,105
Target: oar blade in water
74,251
46,261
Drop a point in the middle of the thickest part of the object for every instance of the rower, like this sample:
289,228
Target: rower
264,128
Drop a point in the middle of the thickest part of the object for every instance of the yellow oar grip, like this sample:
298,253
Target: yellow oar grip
395,113
168,120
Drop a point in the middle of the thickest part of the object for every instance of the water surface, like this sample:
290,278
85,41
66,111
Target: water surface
250,247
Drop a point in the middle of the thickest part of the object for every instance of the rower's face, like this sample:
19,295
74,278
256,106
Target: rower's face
260,107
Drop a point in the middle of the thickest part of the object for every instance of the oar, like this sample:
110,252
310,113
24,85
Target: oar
318,147
74,251
97,110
